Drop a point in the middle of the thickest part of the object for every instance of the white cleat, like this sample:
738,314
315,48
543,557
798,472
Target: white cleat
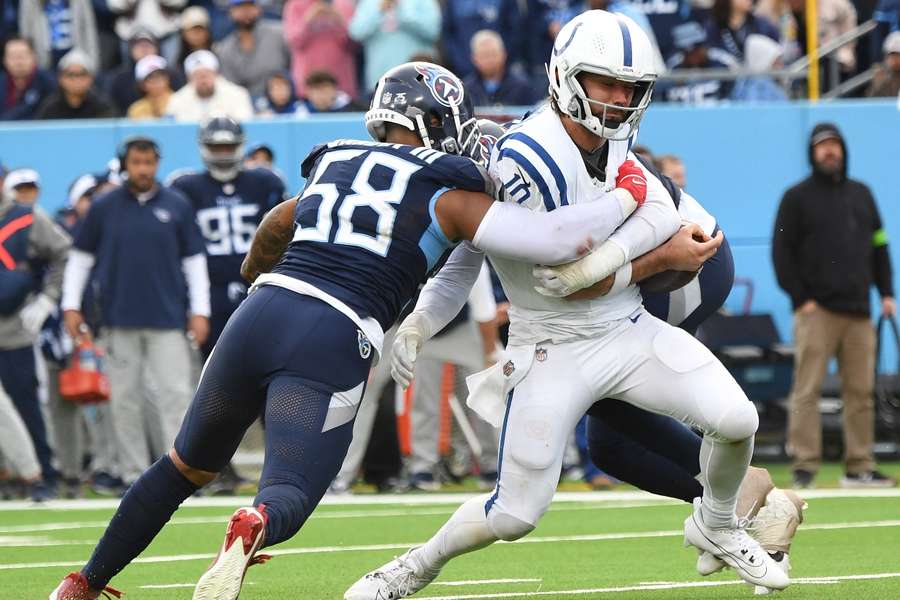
774,527
736,549
401,577
243,537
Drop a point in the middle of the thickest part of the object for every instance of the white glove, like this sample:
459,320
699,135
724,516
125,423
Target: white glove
35,313
563,280
412,333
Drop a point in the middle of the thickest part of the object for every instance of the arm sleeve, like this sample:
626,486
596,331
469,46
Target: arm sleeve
482,304
553,238
197,278
651,225
49,242
785,252
444,295
78,269
881,257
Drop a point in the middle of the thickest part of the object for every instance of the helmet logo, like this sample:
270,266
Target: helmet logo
445,88
557,51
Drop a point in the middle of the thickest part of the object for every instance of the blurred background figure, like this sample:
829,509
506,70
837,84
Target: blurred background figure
254,51
761,54
673,167
22,186
195,34
55,27
492,82
318,37
25,85
887,79
152,77
75,98
324,96
207,93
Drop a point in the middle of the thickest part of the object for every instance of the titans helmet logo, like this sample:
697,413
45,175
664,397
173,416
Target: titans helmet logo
444,86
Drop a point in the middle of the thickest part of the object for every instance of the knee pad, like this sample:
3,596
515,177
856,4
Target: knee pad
507,527
535,443
739,423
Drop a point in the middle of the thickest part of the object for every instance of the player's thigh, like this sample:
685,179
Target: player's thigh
673,374
541,412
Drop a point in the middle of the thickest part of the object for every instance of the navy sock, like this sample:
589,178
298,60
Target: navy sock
287,508
143,512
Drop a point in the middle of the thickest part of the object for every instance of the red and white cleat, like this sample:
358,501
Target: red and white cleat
244,536
75,587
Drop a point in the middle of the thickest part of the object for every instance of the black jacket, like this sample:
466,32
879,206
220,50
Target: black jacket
94,107
514,90
42,85
829,244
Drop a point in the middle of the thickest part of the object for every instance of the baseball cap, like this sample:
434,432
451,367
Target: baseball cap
892,43
77,58
80,187
825,131
143,33
201,59
147,65
194,16
22,177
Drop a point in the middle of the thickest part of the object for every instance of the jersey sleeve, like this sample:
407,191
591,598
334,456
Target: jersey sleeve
458,172
527,174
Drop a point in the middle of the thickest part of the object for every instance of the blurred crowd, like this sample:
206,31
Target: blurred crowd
186,60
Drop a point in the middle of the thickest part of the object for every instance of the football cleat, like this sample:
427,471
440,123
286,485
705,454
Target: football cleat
243,537
399,578
774,527
737,549
75,587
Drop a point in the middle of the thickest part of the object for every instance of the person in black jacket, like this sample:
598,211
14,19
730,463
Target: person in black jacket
829,248
75,99
23,85
493,83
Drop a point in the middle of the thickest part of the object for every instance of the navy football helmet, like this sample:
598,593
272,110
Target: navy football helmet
221,142
428,100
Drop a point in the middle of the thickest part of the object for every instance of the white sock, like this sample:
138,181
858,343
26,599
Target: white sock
722,468
467,530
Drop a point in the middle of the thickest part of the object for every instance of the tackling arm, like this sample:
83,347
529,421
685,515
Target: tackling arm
270,240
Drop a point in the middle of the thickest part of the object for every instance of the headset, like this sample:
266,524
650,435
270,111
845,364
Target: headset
130,141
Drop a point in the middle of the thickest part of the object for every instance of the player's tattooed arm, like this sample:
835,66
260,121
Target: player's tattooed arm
270,241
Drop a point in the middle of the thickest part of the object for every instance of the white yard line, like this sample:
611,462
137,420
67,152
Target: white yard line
485,581
403,546
424,499
666,585
359,514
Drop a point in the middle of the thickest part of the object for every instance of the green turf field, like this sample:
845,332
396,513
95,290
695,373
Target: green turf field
616,545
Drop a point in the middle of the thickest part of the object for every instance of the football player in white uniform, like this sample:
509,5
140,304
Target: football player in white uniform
564,355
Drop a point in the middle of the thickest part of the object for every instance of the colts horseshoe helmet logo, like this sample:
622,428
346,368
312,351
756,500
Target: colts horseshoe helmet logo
444,86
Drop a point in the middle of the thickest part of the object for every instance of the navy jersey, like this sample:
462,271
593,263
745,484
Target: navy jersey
366,231
228,215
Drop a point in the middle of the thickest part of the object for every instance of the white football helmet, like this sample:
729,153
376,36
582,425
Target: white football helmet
607,44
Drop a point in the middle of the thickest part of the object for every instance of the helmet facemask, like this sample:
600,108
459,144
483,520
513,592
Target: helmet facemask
603,124
223,165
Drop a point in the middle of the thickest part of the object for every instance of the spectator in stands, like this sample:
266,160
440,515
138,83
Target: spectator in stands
693,53
729,25
161,17
152,272
195,34
463,18
663,18
207,93
75,99
317,35
153,78
121,85
761,54
280,97
778,12
23,84
836,17
673,167
28,294
391,31
57,26
254,51
887,17
22,186
493,82
887,79
323,96
829,247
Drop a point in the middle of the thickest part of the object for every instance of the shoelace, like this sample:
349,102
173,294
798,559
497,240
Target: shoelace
115,593
400,576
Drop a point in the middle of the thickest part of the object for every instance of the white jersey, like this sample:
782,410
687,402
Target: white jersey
537,165
690,210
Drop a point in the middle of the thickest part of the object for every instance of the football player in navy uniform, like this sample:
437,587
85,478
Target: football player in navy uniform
332,269
229,201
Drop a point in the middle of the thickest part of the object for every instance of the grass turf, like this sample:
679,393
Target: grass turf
317,563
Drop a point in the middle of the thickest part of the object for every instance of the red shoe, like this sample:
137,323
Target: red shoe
75,587
245,534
